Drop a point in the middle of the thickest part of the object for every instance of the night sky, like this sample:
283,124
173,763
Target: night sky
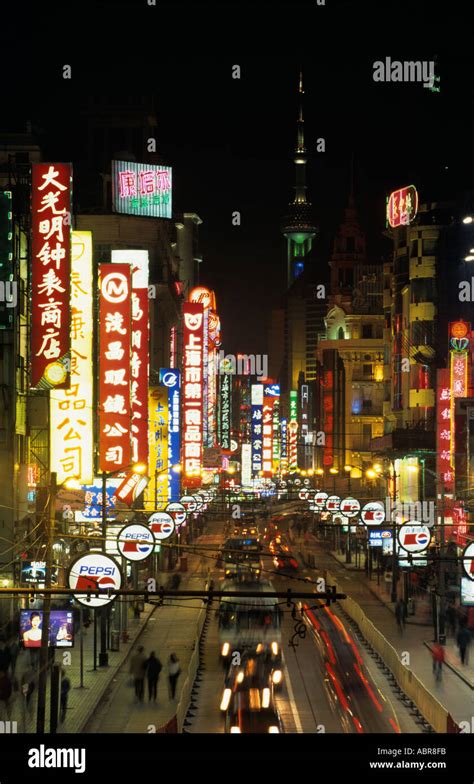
231,141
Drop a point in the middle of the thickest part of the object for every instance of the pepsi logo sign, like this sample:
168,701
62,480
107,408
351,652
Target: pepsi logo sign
136,542
162,525
414,537
320,499
189,503
350,507
468,560
94,571
177,512
373,513
333,503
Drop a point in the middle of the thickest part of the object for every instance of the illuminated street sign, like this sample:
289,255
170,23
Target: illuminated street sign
71,421
193,383
414,538
115,286
141,189
50,275
171,378
373,513
402,206
136,542
156,494
94,571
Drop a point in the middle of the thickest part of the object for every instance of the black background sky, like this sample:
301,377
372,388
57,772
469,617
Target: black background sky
231,141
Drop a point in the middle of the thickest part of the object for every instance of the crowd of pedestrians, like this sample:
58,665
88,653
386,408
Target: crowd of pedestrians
149,668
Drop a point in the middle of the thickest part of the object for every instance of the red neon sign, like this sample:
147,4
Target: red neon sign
50,275
115,309
402,206
193,345
267,436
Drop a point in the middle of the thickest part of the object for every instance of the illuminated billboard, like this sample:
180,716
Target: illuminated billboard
225,410
402,206
115,313
193,384
71,422
444,443
267,436
138,261
156,494
50,275
256,399
171,378
141,189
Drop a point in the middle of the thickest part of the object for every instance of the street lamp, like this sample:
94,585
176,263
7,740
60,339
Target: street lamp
334,473
374,473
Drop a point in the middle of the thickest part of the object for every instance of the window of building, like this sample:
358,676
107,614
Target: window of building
429,247
414,248
422,290
366,330
367,371
340,333
366,436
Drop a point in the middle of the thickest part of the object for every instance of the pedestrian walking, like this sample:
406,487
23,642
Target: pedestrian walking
5,656
174,670
6,689
14,649
400,615
464,640
451,620
438,660
153,668
137,671
65,688
28,684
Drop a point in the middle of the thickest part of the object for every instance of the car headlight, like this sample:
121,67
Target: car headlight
273,730
277,676
266,698
226,699
225,649
235,730
275,648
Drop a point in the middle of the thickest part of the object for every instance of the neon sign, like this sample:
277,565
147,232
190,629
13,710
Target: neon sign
193,385
402,206
141,189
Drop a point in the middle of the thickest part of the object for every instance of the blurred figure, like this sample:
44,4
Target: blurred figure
451,620
137,671
400,615
438,660
5,656
174,670
14,649
153,668
464,640
5,691
65,688
28,684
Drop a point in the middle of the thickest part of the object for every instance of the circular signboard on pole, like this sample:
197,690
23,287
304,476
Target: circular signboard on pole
350,507
162,525
373,513
189,503
177,512
414,537
468,560
94,571
303,495
320,500
333,503
136,542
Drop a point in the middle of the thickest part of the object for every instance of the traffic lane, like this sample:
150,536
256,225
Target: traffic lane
363,702
307,683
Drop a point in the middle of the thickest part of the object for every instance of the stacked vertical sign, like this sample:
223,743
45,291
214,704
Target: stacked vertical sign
225,409
115,313
50,275
256,399
193,346
293,432
171,378
71,426
443,430
156,494
138,260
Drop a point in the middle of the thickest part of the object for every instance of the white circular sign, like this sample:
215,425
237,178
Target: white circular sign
233,445
199,499
306,481
136,542
177,512
320,499
468,560
94,571
114,288
350,507
414,537
189,503
169,379
303,495
333,503
373,513
162,525
297,482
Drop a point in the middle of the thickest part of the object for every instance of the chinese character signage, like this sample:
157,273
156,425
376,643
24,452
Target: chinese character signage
93,501
156,494
444,456
276,434
256,399
71,422
293,432
171,378
141,189
267,436
284,444
50,275
115,313
246,467
193,383
6,235
328,414
138,261
402,206
225,409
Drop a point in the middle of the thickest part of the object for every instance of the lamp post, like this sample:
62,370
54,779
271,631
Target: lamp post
348,469
375,473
